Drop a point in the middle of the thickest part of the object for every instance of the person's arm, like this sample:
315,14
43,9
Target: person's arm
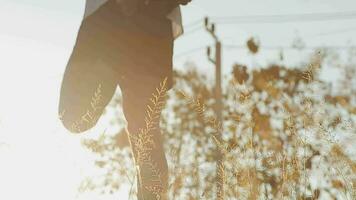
158,7
184,2
175,3
163,7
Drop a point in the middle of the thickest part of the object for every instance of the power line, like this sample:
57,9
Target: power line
194,50
194,23
179,55
193,30
333,32
290,47
278,18
286,18
192,27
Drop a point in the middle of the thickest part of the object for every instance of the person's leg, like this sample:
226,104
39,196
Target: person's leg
149,157
153,63
89,80
139,61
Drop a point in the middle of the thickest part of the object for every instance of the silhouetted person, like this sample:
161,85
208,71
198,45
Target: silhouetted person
127,43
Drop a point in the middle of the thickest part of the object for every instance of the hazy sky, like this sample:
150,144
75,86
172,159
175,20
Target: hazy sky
37,37
56,21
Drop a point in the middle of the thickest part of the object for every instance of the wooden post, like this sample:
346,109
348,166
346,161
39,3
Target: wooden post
220,180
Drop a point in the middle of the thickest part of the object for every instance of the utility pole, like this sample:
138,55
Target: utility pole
220,174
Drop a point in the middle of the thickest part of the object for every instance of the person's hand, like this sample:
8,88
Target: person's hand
184,2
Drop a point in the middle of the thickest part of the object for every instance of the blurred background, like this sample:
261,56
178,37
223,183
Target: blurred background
286,113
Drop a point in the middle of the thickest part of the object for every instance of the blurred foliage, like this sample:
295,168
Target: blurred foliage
253,45
284,136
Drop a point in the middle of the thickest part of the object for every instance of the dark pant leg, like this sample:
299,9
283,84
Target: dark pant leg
135,100
89,81
151,64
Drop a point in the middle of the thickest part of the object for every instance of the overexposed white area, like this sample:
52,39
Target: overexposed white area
39,159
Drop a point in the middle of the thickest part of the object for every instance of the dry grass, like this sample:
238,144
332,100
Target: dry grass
259,161
144,143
